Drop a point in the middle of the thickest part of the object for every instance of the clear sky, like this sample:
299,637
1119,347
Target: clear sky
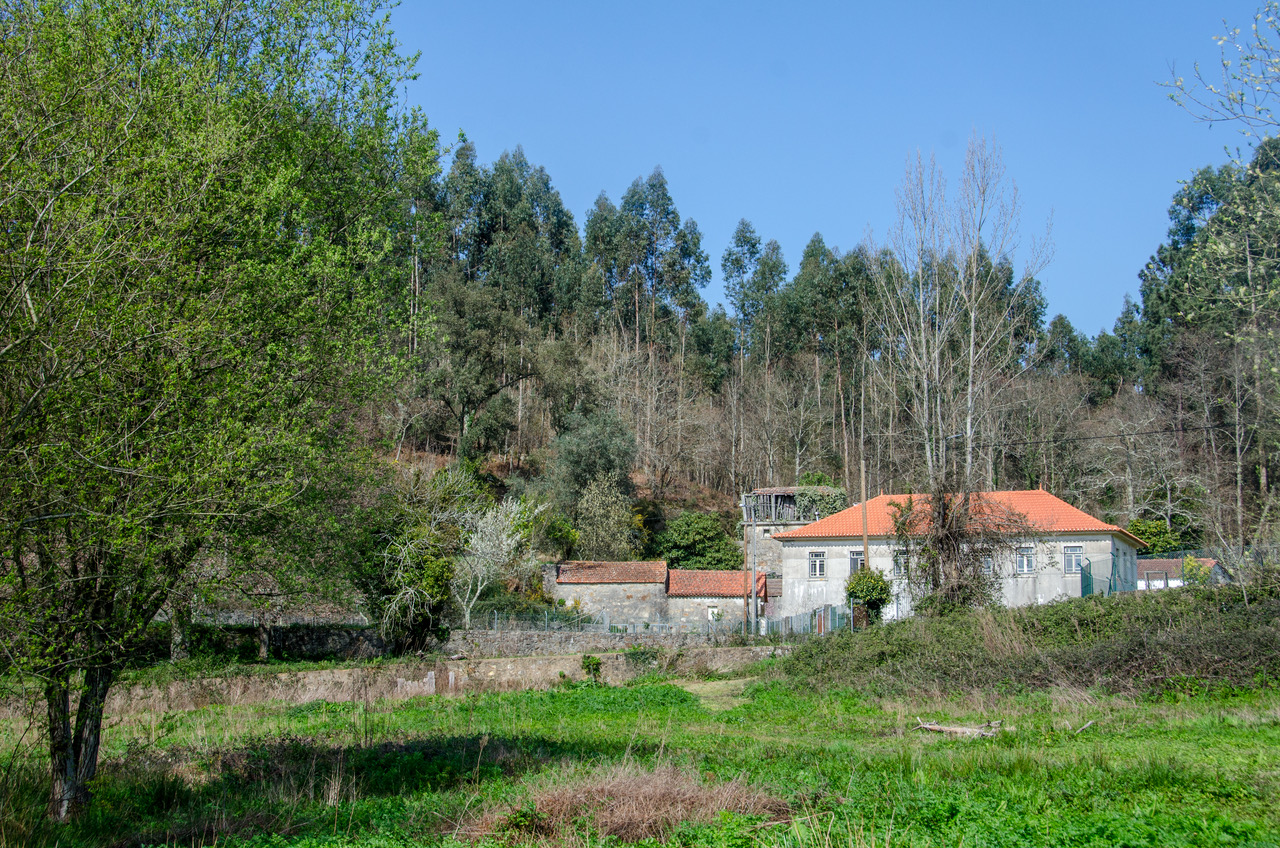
800,117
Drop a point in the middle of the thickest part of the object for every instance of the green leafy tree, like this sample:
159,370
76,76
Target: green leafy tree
608,528
205,216
591,447
696,540
1159,536
409,588
871,589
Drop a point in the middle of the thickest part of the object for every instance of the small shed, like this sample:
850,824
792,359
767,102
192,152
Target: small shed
699,596
626,591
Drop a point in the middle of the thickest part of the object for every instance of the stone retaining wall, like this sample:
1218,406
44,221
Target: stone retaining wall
400,681
532,643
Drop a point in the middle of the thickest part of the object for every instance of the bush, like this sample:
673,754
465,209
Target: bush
869,588
1125,643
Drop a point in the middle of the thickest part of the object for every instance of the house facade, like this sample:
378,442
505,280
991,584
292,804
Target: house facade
768,512
1063,552
694,597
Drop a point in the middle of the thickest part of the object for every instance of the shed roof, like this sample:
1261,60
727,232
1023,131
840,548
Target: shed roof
791,490
580,571
712,584
1041,510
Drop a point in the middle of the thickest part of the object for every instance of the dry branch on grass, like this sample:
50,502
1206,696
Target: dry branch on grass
628,802
991,728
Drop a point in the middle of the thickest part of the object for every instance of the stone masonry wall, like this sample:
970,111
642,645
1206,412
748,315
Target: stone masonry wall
623,602
531,643
404,680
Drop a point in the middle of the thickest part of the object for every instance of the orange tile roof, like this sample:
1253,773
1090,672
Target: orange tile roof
712,584
1042,510
579,571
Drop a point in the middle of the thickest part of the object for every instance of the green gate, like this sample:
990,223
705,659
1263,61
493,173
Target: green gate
1089,585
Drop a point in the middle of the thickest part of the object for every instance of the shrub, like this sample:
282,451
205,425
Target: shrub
869,588
592,666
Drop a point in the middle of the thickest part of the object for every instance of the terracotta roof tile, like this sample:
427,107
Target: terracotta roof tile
712,584
1171,567
1041,509
579,571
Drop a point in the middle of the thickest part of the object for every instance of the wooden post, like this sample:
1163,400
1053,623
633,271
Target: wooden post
866,547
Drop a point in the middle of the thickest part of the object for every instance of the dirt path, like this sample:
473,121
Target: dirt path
718,695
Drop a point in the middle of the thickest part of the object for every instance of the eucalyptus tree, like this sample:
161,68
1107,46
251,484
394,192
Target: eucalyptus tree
513,274
202,280
652,265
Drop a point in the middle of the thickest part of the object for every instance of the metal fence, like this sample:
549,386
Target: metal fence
817,622
548,621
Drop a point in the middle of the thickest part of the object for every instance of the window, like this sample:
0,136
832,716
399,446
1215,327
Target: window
1026,560
988,565
899,563
857,561
1072,558
817,564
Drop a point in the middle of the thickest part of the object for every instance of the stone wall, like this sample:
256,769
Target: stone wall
694,611
406,680
762,548
531,643
622,602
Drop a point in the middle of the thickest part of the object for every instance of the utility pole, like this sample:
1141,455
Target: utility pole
866,548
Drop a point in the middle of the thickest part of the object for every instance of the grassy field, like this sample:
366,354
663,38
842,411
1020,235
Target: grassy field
800,752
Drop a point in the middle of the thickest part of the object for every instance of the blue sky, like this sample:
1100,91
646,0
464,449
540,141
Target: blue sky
801,117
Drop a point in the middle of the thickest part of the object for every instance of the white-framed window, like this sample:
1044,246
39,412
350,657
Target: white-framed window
1026,563
1072,559
900,563
857,561
713,613
817,564
988,565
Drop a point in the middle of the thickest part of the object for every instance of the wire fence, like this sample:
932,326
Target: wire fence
548,621
815,622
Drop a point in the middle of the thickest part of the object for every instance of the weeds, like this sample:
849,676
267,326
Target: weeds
1186,753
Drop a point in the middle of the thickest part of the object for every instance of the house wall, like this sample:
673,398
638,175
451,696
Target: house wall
759,545
694,610
629,602
801,593
1109,556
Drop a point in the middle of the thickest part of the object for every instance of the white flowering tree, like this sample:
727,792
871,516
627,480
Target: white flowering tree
497,549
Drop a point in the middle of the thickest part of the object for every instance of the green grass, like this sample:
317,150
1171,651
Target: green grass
1149,721
1204,770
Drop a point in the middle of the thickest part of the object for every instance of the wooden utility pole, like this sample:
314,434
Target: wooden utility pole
746,550
866,548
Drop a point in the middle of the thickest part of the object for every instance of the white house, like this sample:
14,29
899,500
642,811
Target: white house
1065,551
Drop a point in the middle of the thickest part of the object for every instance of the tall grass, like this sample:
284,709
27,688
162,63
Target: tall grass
1168,641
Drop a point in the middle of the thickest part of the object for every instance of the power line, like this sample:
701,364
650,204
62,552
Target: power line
1096,438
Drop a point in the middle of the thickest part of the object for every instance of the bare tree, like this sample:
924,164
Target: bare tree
497,548
957,317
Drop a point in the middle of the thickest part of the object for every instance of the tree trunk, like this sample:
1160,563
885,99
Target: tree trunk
180,630
73,759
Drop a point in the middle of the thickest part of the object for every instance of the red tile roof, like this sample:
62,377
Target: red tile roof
712,584
611,572
1041,510
1171,567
